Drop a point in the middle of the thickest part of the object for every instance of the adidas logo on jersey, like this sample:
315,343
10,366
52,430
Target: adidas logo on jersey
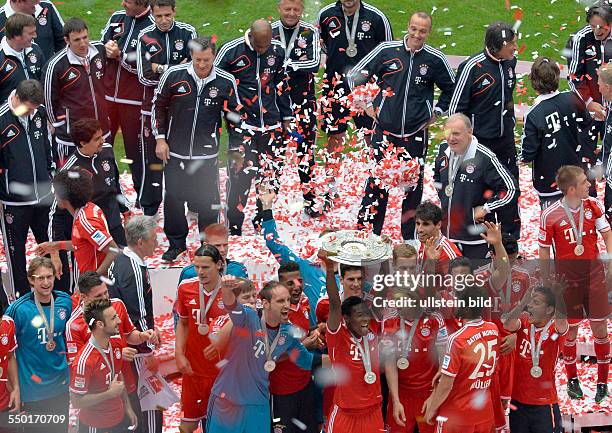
10,134
240,63
182,89
485,82
8,67
71,76
332,25
563,223
153,49
393,66
192,302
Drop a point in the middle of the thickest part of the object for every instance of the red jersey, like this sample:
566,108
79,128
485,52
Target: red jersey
8,344
556,230
90,235
76,299
78,334
299,314
429,338
453,323
188,307
470,358
448,251
90,374
541,391
352,392
512,293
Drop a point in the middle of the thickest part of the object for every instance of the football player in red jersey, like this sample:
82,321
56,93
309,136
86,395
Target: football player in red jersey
571,226
413,341
95,388
10,401
299,311
353,350
461,401
428,219
198,304
536,405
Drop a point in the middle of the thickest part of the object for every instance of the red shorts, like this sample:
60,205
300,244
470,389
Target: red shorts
446,427
368,420
586,296
413,403
194,397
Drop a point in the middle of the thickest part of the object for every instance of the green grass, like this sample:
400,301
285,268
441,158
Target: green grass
458,25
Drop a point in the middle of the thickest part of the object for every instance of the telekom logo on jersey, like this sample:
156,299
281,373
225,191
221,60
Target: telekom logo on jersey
43,336
571,237
525,349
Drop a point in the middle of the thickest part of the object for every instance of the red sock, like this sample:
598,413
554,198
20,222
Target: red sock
602,353
569,358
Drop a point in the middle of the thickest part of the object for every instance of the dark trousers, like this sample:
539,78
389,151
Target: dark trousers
16,222
608,201
127,117
195,182
505,150
57,405
150,192
149,421
528,418
306,137
264,153
300,406
376,197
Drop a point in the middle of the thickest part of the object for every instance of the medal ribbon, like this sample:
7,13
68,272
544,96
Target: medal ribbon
454,163
109,363
407,343
365,353
350,34
288,46
536,347
269,347
49,327
211,299
577,232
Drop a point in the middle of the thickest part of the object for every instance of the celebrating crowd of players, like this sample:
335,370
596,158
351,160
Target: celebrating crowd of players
78,328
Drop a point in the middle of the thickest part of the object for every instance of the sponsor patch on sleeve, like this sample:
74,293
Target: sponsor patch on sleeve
542,235
79,382
99,238
446,361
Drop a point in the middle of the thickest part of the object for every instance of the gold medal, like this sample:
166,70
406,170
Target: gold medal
269,366
50,346
579,250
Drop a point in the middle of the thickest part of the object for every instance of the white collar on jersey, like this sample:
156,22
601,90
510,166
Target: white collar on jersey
469,153
9,11
131,254
11,52
75,60
541,98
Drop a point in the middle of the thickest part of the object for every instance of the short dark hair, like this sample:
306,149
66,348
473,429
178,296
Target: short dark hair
349,303
509,242
163,3
287,267
473,296
94,312
202,43
16,23
343,269
497,35
544,75
549,296
88,281
602,9
459,262
74,185
83,130
142,2
428,211
30,91
266,290
74,25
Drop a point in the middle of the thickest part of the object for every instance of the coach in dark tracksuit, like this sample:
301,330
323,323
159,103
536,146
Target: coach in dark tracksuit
20,58
25,178
301,43
161,45
410,69
124,92
552,135
49,23
132,285
484,93
472,186
187,112
256,61
74,87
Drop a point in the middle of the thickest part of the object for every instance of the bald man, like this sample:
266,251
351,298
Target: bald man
256,149
473,186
